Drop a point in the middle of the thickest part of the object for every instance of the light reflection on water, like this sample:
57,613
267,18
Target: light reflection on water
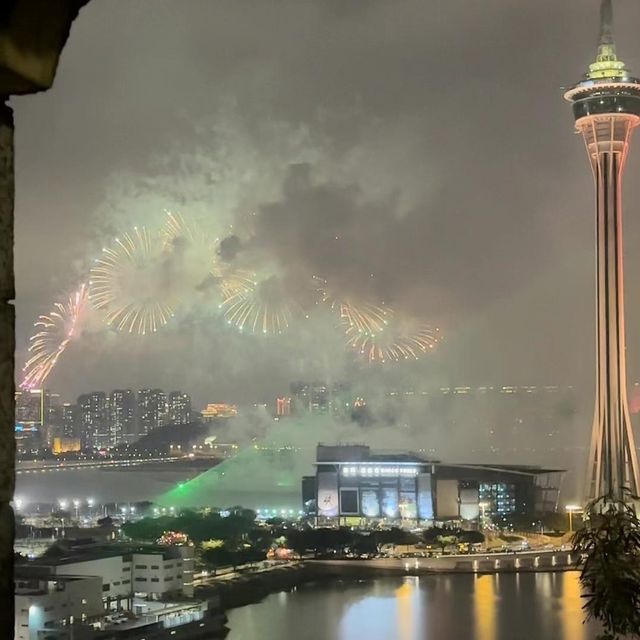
485,607
527,606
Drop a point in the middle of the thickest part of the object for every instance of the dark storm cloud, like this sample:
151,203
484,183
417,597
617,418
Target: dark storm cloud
439,154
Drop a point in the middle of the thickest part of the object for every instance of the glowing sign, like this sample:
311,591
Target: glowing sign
370,470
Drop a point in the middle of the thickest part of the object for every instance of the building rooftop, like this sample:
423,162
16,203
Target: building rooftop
82,553
359,453
521,469
39,582
362,453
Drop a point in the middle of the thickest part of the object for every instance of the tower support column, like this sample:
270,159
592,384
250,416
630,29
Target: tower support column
613,465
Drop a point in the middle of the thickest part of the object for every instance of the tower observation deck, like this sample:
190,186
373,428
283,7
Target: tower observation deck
606,107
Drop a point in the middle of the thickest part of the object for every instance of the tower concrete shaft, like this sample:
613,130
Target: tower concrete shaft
613,465
606,107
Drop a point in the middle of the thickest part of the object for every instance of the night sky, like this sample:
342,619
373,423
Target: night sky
413,152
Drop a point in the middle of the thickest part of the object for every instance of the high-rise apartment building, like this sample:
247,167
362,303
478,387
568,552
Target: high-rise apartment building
152,410
179,408
29,419
318,397
94,421
122,416
70,420
29,407
38,410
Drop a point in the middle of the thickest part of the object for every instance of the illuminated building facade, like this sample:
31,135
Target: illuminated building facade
95,431
152,410
122,416
65,445
283,406
218,410
38,415
179,408
353,484
70,420
318,397
30,407
606,107
29,421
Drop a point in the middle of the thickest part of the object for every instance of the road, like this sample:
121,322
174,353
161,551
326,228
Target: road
51,466
228,573
522,560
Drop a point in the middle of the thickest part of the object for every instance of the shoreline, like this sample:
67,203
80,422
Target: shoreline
252,588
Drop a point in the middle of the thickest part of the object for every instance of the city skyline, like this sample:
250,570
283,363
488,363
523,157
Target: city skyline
488,293
304,312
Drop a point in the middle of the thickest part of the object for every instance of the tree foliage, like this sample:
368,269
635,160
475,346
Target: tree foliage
198,526
609,555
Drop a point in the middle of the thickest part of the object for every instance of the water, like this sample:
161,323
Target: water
102,485
134,485
527,606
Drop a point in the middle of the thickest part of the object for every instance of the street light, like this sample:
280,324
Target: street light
483,506
571,509
76,504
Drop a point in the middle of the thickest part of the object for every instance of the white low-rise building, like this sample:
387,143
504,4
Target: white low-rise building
150,571
56,607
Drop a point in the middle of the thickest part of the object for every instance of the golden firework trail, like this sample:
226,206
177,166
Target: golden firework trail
53,334
177,226
357,316
257,307
393,345
117,284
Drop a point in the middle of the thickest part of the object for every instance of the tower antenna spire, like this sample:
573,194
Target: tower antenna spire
606,64
606,23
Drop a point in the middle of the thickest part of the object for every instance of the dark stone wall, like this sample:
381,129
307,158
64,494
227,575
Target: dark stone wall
7,347
32,35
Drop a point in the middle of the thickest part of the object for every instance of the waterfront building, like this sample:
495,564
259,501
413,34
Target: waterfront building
148,571
354,484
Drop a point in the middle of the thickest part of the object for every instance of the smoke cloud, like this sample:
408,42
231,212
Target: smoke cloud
411,153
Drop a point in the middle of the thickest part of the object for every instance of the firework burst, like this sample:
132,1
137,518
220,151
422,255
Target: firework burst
397,341
179,230
53,334
357,316
256,306
134,282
